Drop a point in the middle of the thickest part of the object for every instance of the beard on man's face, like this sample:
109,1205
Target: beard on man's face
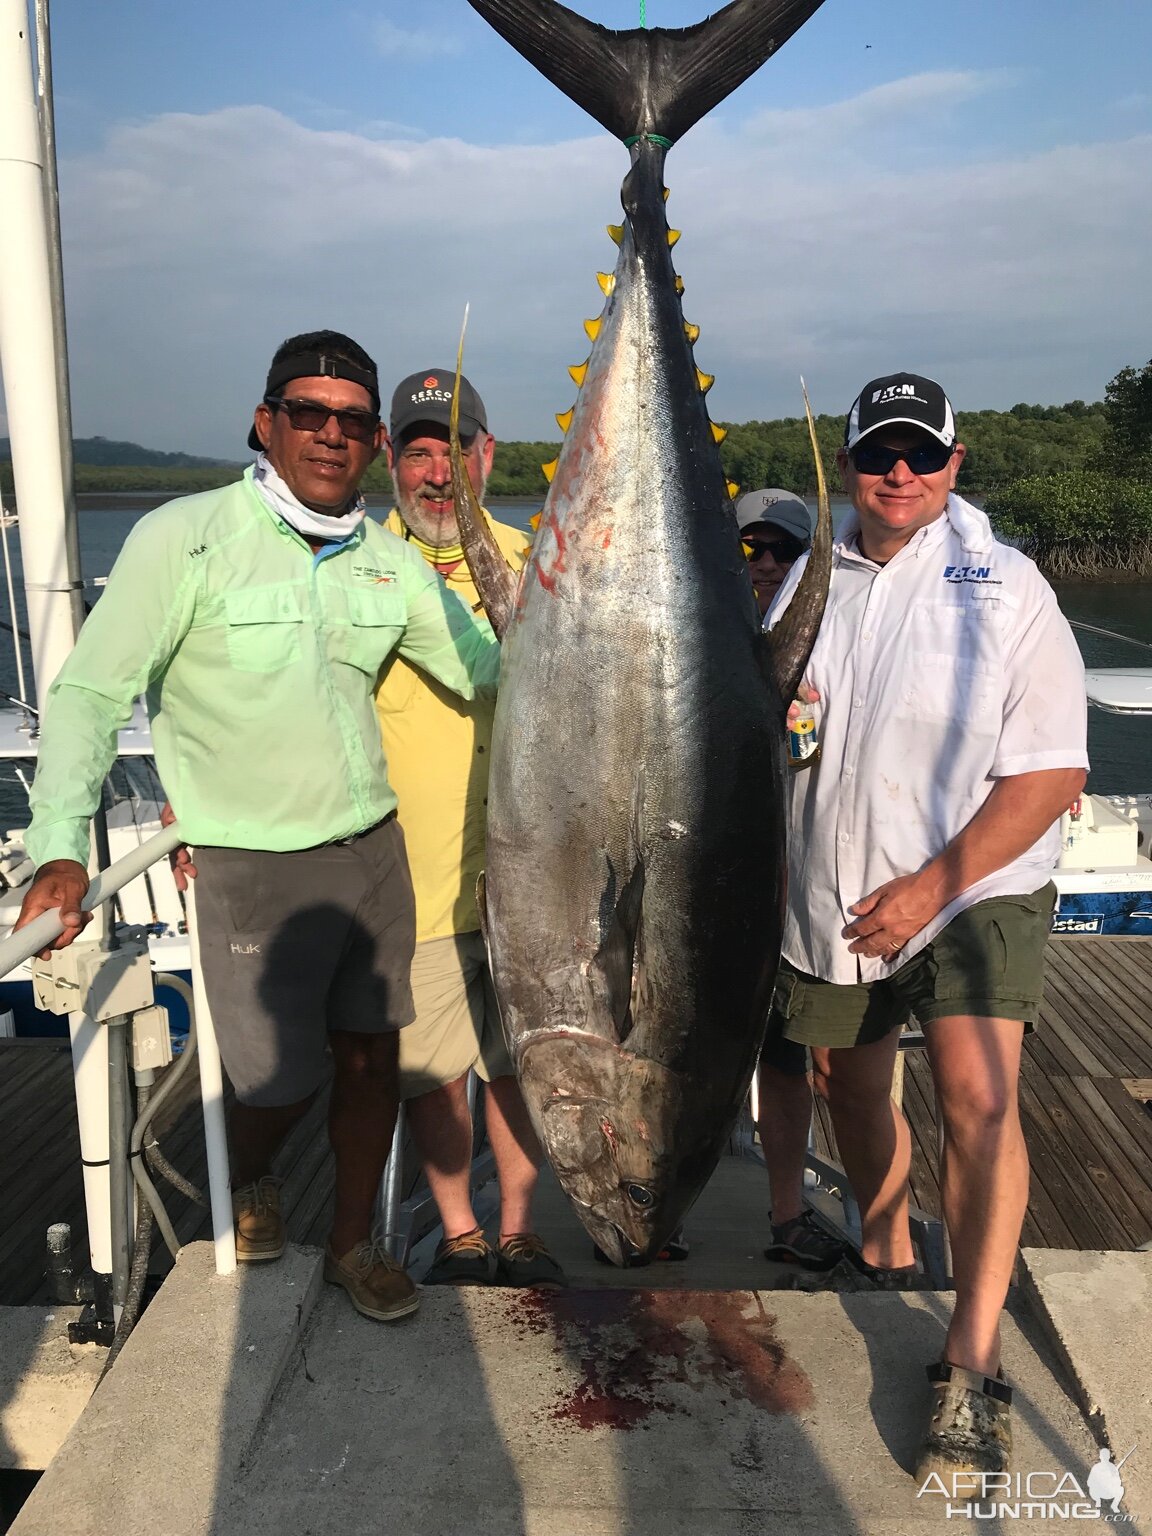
430,512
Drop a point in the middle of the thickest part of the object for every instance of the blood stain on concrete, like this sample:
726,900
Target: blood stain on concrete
640,1353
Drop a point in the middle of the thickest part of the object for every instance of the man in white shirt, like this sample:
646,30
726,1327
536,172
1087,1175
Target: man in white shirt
949,697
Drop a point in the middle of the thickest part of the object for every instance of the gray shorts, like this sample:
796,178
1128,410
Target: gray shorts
295,944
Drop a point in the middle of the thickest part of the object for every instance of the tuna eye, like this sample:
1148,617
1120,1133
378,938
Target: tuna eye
639,1196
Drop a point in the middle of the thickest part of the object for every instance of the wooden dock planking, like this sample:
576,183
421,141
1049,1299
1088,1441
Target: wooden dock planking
1085,1075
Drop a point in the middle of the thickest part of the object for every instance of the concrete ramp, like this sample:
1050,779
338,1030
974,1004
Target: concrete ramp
258,1405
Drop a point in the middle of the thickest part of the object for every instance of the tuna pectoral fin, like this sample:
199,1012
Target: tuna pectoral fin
616,957
790,642
647,81
494,577
482,906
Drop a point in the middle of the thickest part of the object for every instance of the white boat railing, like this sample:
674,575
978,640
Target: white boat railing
89,1047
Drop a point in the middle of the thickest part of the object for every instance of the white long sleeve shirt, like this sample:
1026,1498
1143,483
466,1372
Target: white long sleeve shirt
939,672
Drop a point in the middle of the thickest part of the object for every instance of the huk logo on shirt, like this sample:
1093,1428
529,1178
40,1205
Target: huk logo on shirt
244,949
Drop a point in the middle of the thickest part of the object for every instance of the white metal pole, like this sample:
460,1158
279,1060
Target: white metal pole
90,1067
21,685
45,99
28,356
212,1096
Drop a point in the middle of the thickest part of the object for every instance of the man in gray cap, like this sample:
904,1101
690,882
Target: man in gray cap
776,528
256,617
438,752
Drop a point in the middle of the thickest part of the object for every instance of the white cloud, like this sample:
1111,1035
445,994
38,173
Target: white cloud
406,43
194,244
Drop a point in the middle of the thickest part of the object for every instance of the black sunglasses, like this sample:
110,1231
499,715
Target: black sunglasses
311,416
875,459
784,550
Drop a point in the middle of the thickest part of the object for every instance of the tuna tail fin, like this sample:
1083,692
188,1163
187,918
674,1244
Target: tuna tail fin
790,643
495,579
658,81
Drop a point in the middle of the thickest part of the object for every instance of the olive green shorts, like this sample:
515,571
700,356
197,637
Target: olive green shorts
988,962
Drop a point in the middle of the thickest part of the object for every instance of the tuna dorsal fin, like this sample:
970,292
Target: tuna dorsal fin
616,957
495,579
790,642
655,80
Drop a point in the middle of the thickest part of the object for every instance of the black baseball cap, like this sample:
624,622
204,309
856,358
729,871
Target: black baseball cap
315,360
907,398
427,396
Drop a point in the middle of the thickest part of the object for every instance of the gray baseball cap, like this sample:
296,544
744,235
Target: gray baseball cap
780,508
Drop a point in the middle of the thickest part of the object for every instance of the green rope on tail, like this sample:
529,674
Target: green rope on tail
643,13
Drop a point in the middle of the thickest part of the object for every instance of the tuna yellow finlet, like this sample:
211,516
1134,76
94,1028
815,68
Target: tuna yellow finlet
564,419
549,469
733,487
679,285
692,332
705,381
667,194
616,232
718,433
674,235
534,520
592,328
578,373
607,281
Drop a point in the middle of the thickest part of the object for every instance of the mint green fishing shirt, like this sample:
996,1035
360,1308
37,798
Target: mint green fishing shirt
259,661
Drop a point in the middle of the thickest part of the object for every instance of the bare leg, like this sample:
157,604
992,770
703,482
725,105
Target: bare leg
976,1069
517,1153
785,1118
256,1134
361,1119
874,1143
442,1132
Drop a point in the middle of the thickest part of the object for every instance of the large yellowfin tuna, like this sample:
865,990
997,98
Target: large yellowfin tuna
635,868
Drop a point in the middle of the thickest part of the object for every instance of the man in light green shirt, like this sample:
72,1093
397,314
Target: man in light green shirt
256,619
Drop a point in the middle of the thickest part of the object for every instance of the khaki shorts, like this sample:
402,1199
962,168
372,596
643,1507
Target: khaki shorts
457,1023
988,962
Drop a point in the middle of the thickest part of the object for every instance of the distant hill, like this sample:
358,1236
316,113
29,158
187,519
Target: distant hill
104,450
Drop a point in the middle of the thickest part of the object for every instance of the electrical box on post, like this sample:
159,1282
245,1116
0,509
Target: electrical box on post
87,979
151,1039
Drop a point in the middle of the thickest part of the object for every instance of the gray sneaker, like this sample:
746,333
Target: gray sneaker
804,1242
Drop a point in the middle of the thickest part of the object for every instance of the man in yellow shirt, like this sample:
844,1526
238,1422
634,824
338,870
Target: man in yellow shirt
437,749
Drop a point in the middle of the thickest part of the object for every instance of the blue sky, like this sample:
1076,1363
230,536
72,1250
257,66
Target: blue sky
959,188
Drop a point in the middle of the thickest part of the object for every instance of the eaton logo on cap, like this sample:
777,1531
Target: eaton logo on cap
896,392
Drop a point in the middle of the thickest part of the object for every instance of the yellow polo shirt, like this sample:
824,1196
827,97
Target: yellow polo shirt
437,749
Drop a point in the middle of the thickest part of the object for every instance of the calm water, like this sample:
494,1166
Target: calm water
1121,750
